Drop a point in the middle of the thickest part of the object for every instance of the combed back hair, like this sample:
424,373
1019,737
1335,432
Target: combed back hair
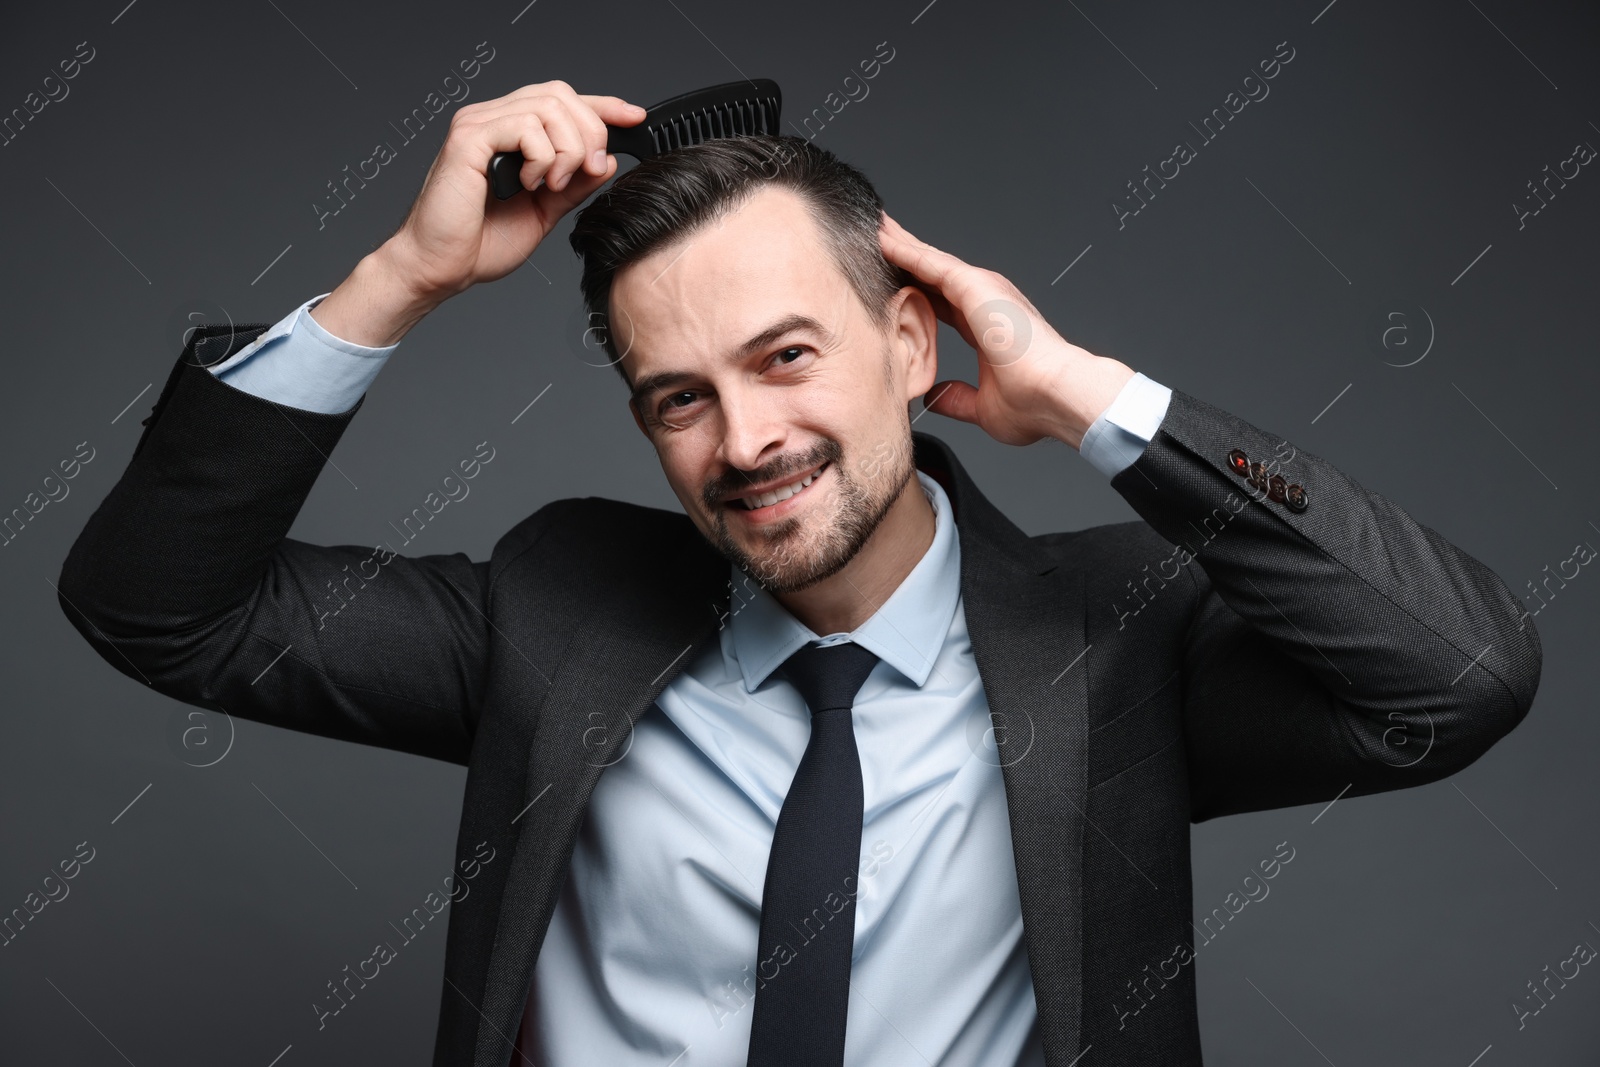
672,194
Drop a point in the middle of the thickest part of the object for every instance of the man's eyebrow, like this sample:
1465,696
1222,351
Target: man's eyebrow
791,323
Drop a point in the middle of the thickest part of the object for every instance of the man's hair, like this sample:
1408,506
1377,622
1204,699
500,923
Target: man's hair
669,195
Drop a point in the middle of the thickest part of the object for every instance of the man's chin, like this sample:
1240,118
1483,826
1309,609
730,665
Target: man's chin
795,579
778,574
782,570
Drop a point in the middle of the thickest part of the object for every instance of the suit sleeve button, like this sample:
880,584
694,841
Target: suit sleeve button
1294,495
1276,488
1238,461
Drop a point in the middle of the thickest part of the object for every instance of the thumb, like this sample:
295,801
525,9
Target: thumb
955,399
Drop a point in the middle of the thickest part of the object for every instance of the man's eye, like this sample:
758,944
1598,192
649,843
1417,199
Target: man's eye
669,401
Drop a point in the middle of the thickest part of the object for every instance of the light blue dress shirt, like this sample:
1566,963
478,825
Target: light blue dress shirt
650,956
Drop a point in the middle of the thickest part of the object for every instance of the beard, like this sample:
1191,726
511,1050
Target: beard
802,550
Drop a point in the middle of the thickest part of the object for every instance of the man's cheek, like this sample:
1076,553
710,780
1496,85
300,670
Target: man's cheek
828,491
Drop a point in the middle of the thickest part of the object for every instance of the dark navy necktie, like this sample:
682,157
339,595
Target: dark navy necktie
803,963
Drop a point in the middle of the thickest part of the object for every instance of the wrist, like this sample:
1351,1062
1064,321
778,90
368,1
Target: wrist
375,306
1082,394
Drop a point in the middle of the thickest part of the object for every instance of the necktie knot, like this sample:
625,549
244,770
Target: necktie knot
829,676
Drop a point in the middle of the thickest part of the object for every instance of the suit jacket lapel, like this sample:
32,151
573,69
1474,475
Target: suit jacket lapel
1025,619
624,653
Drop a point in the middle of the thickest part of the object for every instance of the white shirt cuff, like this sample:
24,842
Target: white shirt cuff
1119,436
298,363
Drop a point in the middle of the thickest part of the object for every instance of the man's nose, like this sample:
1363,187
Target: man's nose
752,430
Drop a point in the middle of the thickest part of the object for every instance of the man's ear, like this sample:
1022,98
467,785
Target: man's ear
914,329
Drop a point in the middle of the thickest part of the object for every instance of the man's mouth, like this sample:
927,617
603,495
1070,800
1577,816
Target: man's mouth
777,496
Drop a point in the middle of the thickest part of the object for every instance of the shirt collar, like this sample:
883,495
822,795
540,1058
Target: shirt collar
907,632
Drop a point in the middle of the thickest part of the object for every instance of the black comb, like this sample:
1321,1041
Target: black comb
734,109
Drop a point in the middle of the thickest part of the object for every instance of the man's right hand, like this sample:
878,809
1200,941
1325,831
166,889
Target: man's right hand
457,233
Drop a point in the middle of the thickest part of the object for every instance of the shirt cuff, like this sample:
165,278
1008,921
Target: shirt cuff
1119,436
299,364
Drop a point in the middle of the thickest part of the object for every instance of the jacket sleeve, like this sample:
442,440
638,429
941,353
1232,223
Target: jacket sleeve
184,579
1336,646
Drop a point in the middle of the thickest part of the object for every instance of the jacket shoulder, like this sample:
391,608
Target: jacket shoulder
596,529
1109,546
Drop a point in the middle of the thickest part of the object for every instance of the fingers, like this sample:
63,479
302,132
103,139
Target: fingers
552,141
954,286
610,109
554,203
903,250
947,314
927,263
574,127
595,113
538,152
591,114
959,292
614,110
573,142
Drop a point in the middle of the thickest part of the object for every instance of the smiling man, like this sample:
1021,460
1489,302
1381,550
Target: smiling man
755,374
838,765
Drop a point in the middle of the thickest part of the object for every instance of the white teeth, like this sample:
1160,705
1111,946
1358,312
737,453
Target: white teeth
783,493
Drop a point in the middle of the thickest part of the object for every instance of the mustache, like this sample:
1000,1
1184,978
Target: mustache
736,481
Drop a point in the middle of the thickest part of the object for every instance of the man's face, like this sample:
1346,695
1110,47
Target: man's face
757,403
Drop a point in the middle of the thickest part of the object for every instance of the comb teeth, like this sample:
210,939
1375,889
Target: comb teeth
739,118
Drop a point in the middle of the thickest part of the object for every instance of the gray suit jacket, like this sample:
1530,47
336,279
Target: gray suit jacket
1300,653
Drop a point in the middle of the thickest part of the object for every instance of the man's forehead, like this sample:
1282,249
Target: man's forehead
716,288
763,246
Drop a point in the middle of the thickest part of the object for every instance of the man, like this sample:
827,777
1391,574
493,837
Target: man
1032,723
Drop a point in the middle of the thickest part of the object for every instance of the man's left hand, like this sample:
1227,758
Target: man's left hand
1032,382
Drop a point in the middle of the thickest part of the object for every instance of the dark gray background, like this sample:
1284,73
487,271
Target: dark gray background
1387,157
